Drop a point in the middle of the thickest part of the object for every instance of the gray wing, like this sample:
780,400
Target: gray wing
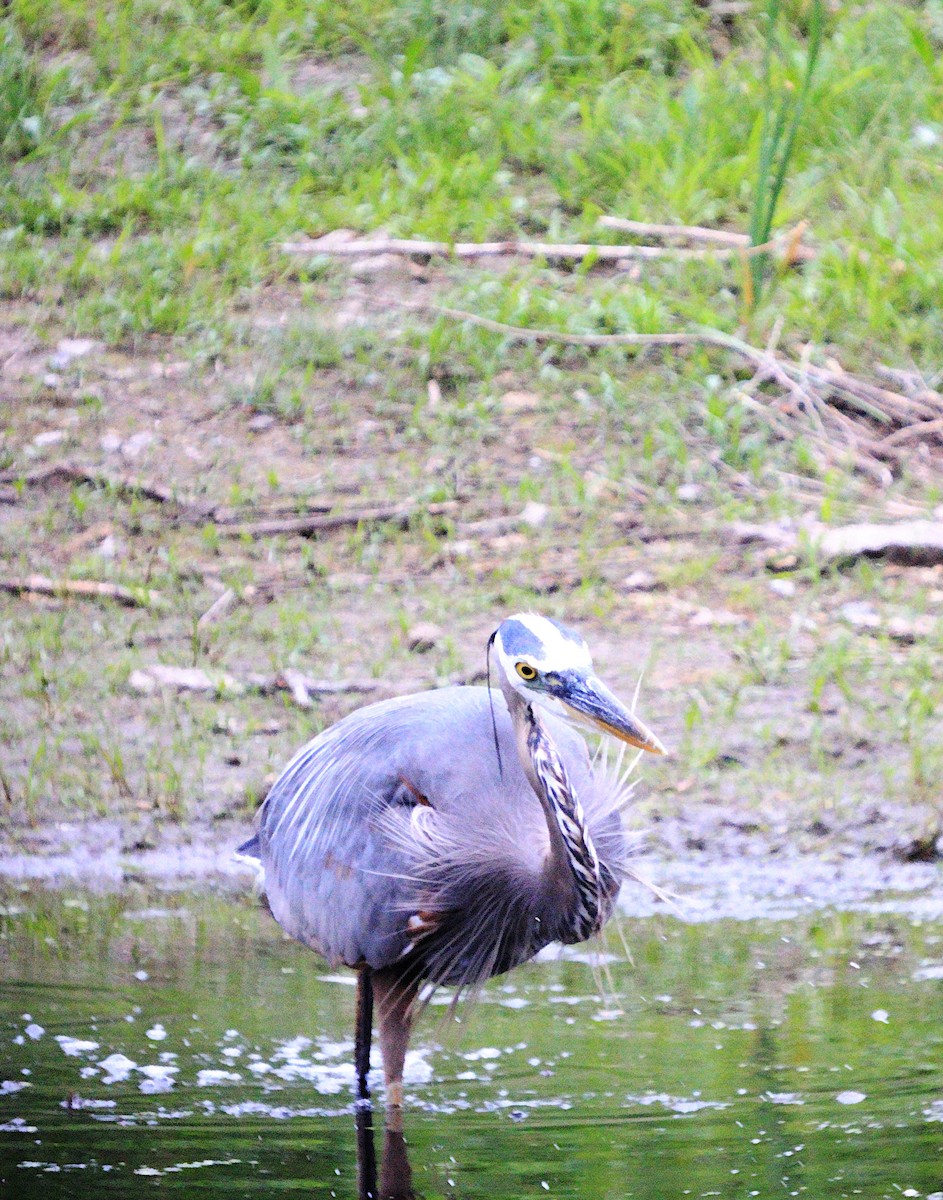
402,807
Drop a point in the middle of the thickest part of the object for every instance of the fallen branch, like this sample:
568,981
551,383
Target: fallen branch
913,433
687,233
315,518
86,589
569,251
160,676
730,245
910,543
913,543
66,472
875,402
309,526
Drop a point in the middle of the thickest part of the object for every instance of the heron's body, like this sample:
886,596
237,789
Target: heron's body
450,835
395,836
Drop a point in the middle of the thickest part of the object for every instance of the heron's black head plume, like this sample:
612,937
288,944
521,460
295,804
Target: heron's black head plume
494,720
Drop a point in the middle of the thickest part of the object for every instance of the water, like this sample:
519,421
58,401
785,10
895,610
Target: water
177,1042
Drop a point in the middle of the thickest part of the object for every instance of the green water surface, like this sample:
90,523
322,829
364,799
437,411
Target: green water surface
180,1044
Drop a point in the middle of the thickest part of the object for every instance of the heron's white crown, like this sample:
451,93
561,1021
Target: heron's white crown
543,645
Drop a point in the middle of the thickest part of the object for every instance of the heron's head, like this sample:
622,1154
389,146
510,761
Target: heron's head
550,665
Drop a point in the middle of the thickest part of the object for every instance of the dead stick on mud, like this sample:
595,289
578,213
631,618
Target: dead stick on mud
913,433
85,589
687,233
732,244
312,525
66,472
571,251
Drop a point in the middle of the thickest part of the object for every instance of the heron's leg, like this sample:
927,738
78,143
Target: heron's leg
394,996
364,1031
396,1175
366,1154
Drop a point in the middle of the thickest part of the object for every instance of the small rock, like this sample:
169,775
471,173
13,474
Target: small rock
52,381
107,548
639,581
860,615
787,561
707,617
111,443
423,636
520,402
181,679
136,444
534,514
68,350
260,423
850,1097
689,492
434,393
51,437
782,587
907,631
162,370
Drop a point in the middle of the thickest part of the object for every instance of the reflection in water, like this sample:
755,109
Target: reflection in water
395,1173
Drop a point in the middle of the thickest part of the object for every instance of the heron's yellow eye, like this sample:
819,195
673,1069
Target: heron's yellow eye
526,671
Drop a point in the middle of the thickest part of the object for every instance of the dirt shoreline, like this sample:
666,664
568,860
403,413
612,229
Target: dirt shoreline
712,862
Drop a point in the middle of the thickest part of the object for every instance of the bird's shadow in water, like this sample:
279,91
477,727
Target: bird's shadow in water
395,1178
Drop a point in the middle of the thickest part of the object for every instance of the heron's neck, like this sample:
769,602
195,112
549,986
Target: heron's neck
573,862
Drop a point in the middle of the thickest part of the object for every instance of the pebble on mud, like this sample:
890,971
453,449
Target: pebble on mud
639,581
520,402
423,636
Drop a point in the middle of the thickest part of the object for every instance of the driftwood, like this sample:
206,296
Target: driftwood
337,247
911,543
160,676
84,589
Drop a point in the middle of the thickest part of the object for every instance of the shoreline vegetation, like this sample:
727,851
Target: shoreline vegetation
279,438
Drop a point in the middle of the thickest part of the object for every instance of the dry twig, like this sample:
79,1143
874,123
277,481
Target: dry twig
302,687
67,472
309,526
686,233
218,609
913,433
86,589
728,245
810,385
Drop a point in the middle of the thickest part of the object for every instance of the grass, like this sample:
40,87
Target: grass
782,117
153,157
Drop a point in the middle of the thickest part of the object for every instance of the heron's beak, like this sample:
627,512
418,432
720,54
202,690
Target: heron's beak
589,701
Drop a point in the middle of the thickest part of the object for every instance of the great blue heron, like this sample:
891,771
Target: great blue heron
447,836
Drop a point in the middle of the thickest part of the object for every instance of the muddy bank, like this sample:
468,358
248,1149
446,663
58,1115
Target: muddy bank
713,862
